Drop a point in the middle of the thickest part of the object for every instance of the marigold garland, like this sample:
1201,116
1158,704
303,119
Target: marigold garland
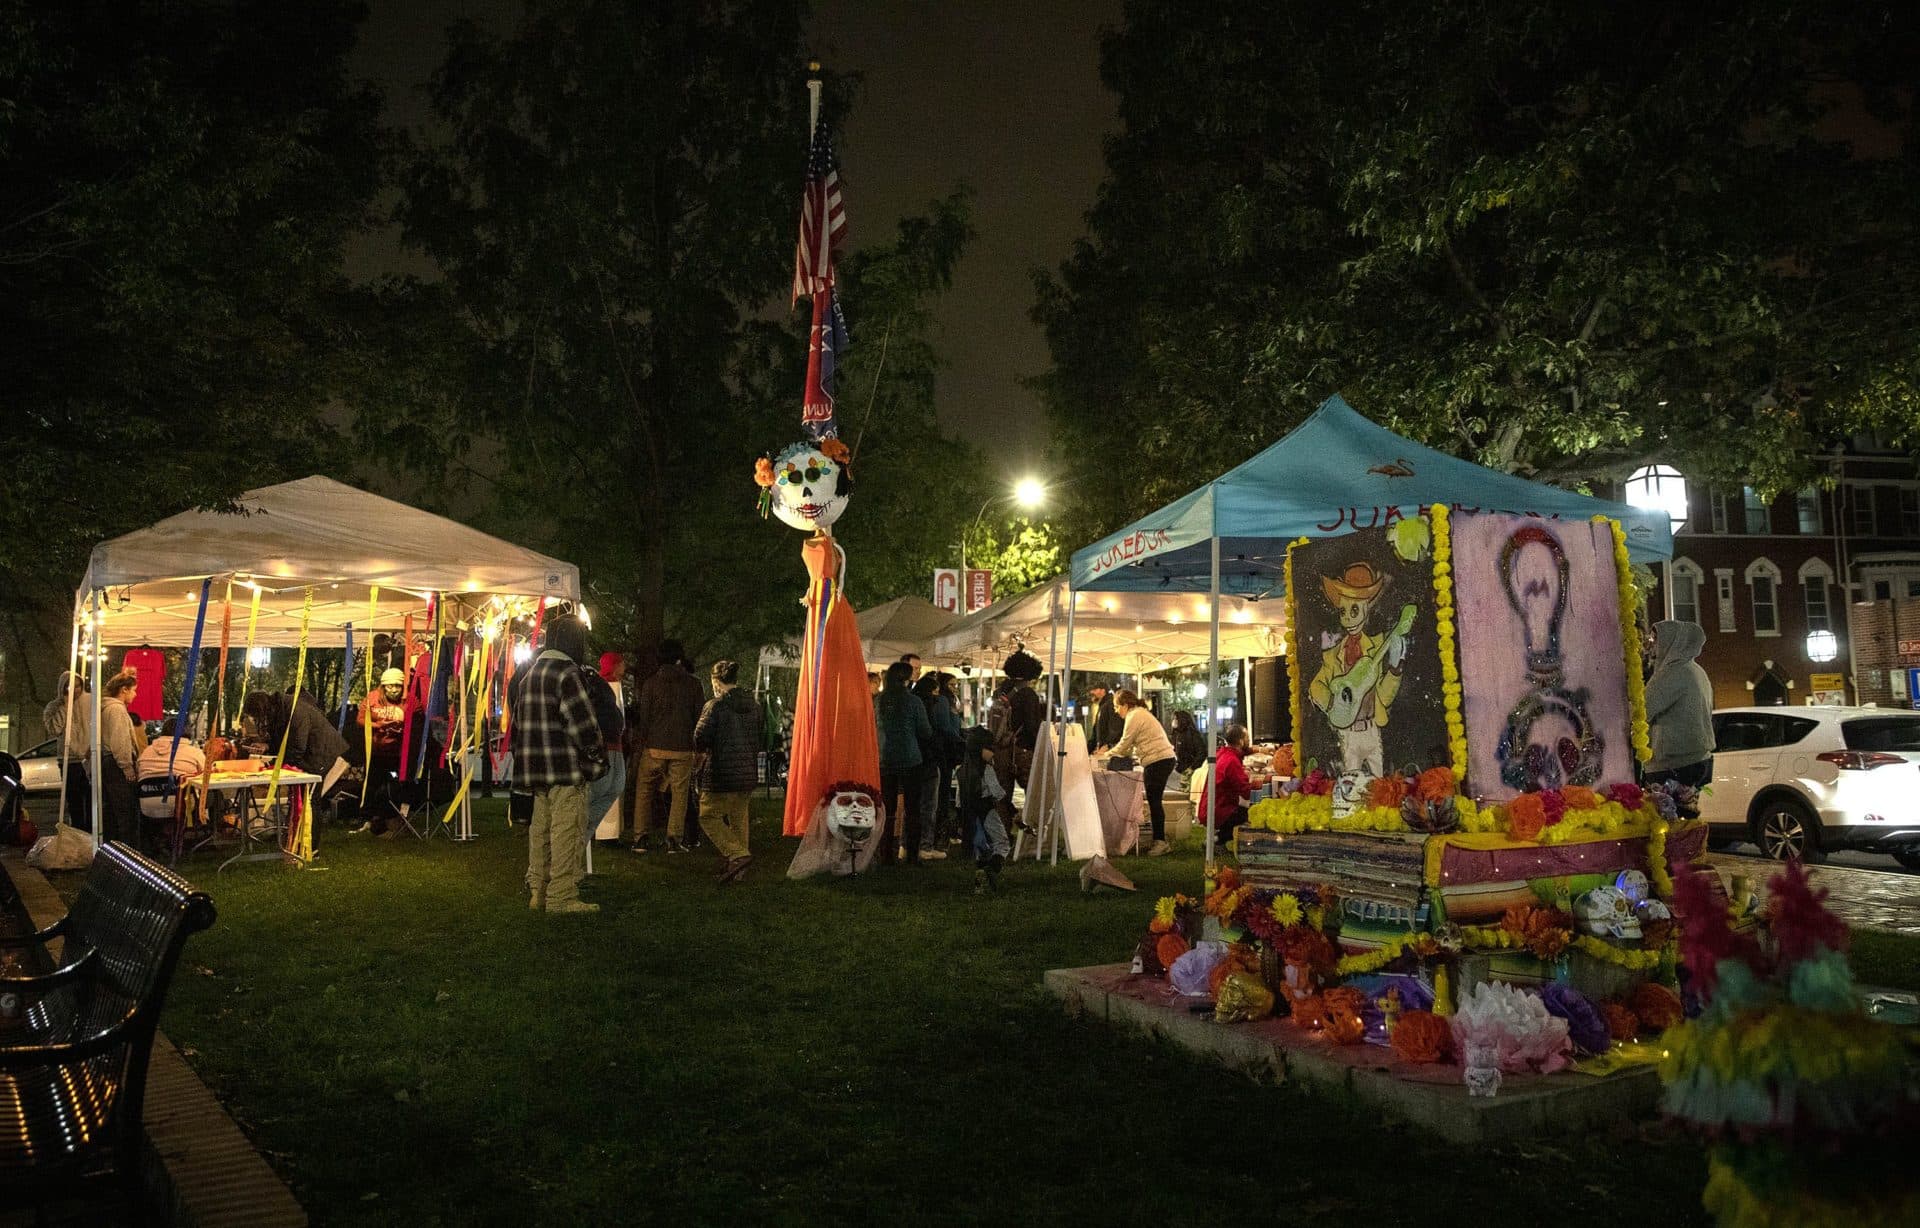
1298,684
1630,638
1420,1037
1606,952
1445,633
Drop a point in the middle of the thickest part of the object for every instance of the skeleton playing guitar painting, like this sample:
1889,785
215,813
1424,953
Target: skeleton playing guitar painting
1359,678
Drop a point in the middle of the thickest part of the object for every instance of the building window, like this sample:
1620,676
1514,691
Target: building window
1807,505
1755,509
1883,590
1863,510
1910,513
1686,591
1717,501
1815,576
1723,595
1763,584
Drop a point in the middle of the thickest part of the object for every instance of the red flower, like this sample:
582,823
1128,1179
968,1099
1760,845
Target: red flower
1629,795
1434,784
1526,817
1554,804
1317,783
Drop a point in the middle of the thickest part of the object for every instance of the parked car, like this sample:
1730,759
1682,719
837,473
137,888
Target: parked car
40,784
1805,782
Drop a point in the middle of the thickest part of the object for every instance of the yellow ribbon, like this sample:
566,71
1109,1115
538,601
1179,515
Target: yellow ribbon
470,737
366,701
246,664
300,838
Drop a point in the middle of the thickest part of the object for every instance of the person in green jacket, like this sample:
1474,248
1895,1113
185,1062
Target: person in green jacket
904,731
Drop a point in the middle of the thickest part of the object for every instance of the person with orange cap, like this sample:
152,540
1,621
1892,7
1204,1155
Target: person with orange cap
1358,679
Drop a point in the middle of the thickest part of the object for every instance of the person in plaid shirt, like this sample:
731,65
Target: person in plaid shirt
557,750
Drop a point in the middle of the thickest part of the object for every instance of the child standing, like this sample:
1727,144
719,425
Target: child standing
980,793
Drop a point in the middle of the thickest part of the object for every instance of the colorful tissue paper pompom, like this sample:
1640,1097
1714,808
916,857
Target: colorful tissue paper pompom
1526,817
1512,1024
1421,1037
1798,918
1344,1010
1579,797
1585,1027
1553,804
1187,973
1317,783
1622,1024
1387,791
1169,948
1284,762
1627,795
1709,945
1434,784
1657,1007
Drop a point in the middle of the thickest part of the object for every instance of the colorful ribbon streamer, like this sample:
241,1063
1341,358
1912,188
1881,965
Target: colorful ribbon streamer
299,678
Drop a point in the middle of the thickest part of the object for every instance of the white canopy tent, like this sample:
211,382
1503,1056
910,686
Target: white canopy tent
1123,632
888,631
311,536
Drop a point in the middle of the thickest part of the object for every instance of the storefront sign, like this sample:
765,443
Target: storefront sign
946,589
1131,548
1910,648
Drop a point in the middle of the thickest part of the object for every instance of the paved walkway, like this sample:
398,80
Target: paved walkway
207,1175
1864,899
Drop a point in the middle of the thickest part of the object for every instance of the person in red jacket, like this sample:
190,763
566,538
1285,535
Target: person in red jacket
1236,790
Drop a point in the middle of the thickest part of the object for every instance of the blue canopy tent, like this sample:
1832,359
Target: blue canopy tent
1335,473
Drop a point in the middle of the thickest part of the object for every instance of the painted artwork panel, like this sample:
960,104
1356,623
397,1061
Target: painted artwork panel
1542,663
1369,658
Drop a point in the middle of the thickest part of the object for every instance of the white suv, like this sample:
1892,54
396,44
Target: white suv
1805,782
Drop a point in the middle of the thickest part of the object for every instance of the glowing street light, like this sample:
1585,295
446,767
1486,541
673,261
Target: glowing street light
1029,493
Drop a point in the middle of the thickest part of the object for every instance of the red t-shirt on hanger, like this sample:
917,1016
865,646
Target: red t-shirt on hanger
151,666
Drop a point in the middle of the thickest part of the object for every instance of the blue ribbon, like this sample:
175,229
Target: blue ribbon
346,682
183,719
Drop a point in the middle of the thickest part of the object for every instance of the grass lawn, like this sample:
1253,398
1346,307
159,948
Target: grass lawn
411,1045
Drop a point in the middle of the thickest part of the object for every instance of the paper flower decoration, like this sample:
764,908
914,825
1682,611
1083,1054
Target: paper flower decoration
1420,1037
1515,1025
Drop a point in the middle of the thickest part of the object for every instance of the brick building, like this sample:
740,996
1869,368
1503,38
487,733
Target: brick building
1776,585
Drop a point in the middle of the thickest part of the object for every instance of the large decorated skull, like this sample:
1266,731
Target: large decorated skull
1633,884
1606,912
852,813
810,487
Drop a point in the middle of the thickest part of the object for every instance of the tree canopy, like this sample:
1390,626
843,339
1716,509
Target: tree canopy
176,184
1555,238
614,210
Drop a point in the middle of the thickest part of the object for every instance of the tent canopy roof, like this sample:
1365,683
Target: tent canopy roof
1118,632
1334,473
313,534
904,625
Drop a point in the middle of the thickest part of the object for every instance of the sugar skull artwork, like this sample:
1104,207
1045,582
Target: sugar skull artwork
810,484
852,814
1369,658
1542,662
839,839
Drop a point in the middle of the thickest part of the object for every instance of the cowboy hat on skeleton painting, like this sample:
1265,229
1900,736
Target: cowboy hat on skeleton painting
1357,583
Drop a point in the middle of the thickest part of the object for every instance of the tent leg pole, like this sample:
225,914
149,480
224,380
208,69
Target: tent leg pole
1213,697
1059,790
66,740
1053,690
95,825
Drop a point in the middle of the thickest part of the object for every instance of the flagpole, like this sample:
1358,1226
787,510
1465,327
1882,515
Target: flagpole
813,96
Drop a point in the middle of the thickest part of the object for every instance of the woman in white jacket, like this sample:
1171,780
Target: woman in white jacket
1143,738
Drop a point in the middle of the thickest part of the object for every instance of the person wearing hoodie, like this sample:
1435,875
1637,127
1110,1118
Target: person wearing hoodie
727,737
1679,707
312,743
903,726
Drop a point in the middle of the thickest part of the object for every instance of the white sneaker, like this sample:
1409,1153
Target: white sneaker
1159,848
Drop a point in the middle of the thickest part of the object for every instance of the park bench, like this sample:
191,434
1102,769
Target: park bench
75,1040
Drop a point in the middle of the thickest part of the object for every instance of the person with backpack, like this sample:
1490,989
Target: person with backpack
727,737
1014,720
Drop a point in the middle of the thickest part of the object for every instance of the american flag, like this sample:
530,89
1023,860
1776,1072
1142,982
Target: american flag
823,219
828,339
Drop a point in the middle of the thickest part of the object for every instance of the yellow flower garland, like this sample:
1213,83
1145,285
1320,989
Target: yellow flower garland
1638,961
1443,615
1298,685
1657,860
1314,812
1630,639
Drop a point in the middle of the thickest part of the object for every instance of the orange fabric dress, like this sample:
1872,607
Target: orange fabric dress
834,738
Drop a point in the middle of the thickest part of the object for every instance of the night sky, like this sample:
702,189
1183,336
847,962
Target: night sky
1003,95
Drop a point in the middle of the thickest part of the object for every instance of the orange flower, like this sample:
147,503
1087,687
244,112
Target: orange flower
1656,1006
1622,1024
835,450
1284,761
1160,927
1169,948
1578,797
1421,1037
1387,792
1526,817
1434,784
763,471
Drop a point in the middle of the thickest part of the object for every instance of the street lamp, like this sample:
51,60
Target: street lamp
1028,493
1660,488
